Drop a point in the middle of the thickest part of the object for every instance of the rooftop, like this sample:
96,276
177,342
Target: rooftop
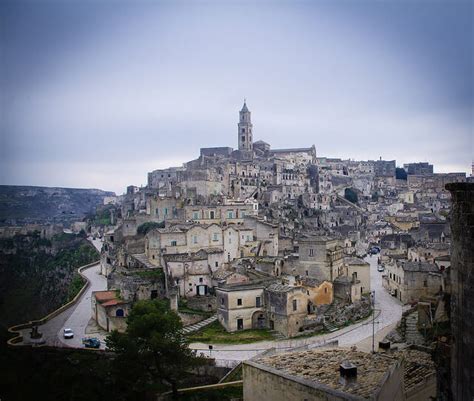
419,267
355,261
278,287
322,367
102,296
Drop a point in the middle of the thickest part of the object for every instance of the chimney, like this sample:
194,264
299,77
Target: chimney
348,373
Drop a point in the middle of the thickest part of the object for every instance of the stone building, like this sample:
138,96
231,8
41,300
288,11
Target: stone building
286,308
410,281
462,296
358,270
245,129
434,181
109,310
192,273
319,257
328,374
422,168
241,306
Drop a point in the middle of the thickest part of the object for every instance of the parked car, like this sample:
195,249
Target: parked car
68,333
374,250
91,342
380,268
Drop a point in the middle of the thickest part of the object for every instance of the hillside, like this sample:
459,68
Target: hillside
24,204
39,275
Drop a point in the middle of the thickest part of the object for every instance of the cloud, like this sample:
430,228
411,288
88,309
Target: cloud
132,87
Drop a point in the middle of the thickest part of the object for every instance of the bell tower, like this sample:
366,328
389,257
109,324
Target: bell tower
245,129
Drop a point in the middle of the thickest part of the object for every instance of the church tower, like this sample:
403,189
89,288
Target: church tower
245,129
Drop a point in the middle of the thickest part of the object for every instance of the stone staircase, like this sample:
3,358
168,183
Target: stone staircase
197,326
412,335
330,327
277,335
143,260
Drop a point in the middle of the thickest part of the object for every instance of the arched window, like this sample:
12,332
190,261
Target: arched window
119,313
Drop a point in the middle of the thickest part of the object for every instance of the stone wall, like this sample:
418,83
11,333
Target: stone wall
205,304
462,297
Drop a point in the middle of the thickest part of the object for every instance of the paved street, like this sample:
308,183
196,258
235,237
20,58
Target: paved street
389,312
76,317
81,315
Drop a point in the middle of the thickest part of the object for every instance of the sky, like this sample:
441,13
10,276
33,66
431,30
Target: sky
95,94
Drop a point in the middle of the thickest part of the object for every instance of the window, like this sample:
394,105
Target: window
157,212
173,243
222,301
243,130
200,279
248,237
195,239
166,211
311,252
295,304
217,264
243,138
215,237
239,301
307,272
119,313
154,294
325,290
258,302
230,215
211,214
195,215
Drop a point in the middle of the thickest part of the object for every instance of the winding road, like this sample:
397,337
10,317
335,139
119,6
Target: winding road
76,317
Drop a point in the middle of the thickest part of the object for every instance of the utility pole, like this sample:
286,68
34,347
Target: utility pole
373,321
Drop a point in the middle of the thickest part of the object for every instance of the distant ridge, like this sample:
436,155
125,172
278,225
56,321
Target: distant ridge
21,204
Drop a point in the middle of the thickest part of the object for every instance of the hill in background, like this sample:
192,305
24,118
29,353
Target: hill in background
24,204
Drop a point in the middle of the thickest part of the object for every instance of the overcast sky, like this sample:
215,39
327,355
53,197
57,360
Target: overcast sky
98,93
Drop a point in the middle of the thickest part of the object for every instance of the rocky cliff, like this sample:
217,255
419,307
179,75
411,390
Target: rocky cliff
23,204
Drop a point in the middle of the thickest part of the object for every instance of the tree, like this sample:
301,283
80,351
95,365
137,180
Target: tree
351,195
152,354
144,228
400,174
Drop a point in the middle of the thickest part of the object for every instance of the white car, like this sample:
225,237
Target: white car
380,268
68,333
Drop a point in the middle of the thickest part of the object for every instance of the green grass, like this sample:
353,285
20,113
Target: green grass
235,375
215,333
155,274
76,284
